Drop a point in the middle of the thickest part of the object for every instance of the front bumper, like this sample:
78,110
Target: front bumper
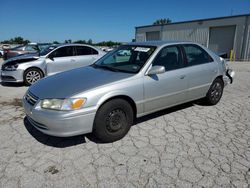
229,77
12,76
60,123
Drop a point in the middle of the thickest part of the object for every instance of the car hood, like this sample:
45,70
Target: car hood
69,83
21,59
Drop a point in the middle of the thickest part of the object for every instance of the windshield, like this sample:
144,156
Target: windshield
45,51
43,46
128,59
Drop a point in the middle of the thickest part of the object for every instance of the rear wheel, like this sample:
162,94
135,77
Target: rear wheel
215,92
113,120
32,75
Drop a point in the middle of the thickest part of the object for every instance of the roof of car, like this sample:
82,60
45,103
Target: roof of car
69,44
157,43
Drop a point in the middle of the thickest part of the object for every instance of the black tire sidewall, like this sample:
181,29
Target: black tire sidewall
99,128
208,97
28,70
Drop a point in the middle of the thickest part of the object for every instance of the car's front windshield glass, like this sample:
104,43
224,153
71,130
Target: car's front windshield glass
126,58
45,51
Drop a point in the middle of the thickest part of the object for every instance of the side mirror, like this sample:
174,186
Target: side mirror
50,56
156,70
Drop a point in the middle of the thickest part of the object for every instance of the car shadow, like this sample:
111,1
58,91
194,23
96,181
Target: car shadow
58,142
163,112
10,84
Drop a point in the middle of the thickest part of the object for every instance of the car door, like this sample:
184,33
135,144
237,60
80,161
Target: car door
169,88
201,70
60,60
85,56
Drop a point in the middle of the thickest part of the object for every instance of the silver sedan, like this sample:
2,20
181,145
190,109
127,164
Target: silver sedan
54,59
106,97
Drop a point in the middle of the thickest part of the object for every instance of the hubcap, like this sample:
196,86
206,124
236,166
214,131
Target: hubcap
33,76
216,91
115,120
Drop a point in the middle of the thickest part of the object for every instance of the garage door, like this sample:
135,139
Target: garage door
221,39
154,35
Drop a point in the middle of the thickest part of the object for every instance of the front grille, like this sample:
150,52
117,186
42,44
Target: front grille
31,98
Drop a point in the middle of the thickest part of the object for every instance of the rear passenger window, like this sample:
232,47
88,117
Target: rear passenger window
169,57
85,50
196,55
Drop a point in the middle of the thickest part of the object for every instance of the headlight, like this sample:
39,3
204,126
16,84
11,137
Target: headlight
11,67
63,104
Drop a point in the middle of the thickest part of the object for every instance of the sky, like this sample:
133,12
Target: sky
102,20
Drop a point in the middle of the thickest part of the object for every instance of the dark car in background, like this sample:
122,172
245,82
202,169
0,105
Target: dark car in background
31,48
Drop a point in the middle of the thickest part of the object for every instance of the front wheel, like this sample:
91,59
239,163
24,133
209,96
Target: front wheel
215,92
113,120
32,75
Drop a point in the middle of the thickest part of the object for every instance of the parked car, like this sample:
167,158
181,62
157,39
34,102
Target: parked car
32,48
1,53
124,53
106,97
53,59
107,49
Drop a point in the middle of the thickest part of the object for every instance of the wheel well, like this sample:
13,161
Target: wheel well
126,98
221,78
34,68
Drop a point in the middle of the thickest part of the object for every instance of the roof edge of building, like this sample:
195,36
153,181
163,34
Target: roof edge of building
198,20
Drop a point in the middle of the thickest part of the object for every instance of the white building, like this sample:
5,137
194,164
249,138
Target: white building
221,34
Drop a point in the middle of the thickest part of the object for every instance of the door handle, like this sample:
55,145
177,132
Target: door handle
72,60
182,76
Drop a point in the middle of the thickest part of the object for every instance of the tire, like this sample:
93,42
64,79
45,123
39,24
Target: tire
215,92
113,120
32,75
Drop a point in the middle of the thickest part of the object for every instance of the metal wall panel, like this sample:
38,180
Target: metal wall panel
247,49
198,31
246,41
153,35
198,35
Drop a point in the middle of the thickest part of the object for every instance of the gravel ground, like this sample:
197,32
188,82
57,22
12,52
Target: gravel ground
186,146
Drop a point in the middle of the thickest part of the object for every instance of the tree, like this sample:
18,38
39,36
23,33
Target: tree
68,41
90,41
162,21
108,43
16,40
80,42
56,42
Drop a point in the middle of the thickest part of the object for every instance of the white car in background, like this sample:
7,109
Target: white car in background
30,68
124,53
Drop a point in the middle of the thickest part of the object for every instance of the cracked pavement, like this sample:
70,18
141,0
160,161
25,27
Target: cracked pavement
190,145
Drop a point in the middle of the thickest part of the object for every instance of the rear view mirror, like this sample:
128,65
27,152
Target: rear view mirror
156,70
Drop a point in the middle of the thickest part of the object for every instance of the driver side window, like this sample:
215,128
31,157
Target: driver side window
170,57
63,52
